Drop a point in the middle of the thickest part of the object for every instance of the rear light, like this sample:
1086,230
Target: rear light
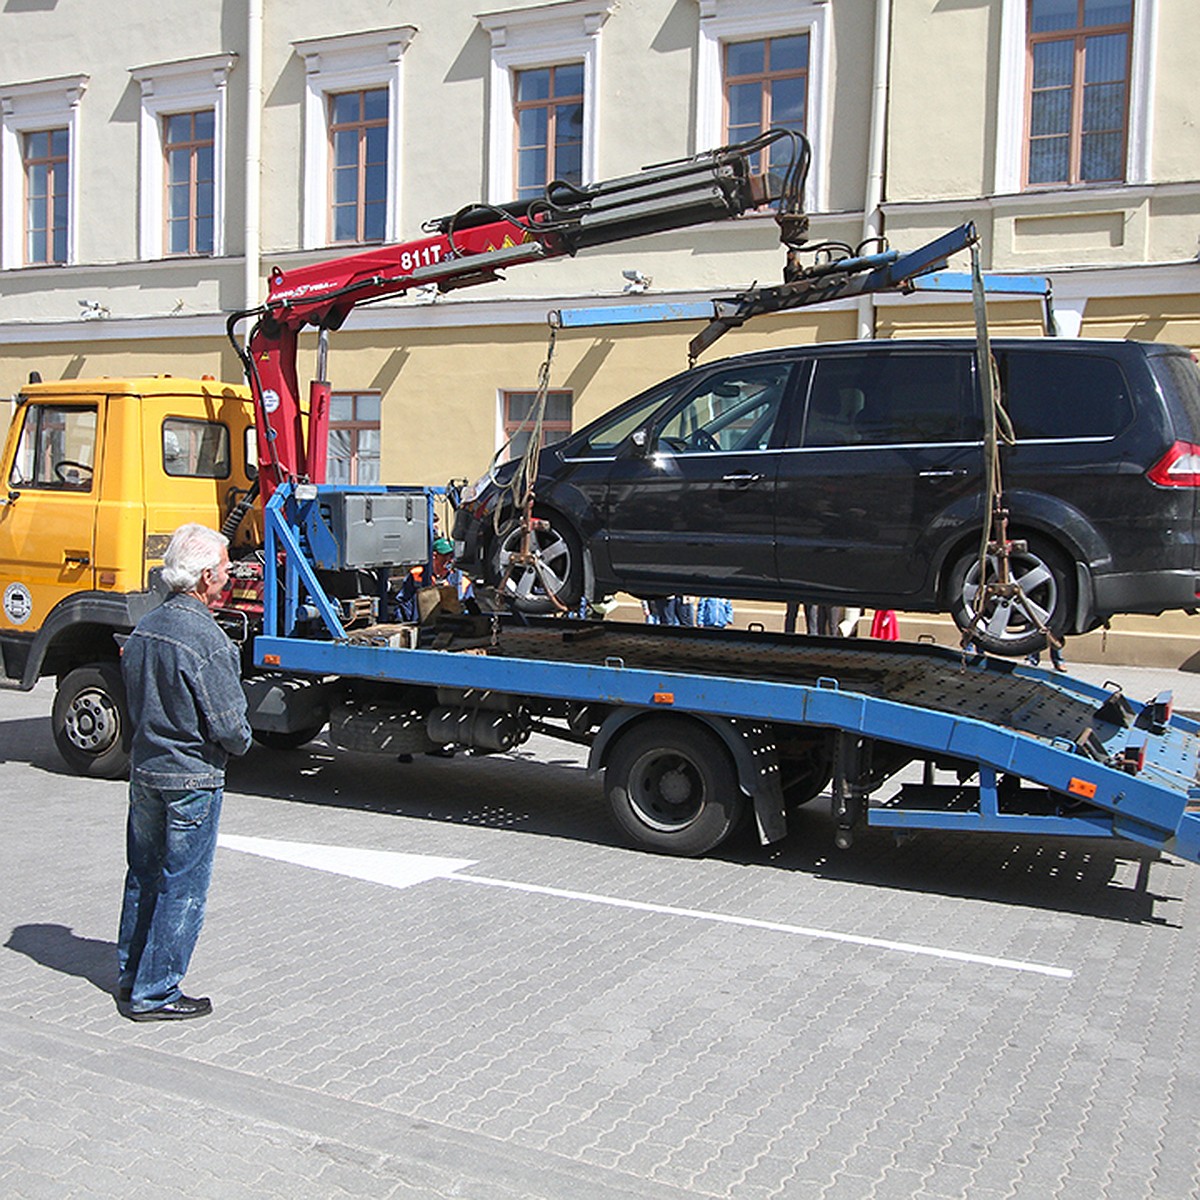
1132,758
1179,467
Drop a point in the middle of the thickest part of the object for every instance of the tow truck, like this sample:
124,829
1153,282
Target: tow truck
695,731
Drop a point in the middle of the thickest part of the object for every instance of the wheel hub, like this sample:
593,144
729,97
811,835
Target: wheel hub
92,723
666,792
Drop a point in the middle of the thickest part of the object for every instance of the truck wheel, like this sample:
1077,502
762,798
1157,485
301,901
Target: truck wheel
275,739
1006,628
553,580
91,721
672,787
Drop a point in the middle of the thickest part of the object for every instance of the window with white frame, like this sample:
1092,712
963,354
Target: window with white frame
552,49
1076,77
764,63
517,413
181,168
369,67
39,179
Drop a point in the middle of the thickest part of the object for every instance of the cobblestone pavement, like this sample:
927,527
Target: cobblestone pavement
497,1032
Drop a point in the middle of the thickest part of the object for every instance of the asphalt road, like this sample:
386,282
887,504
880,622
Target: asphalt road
451,978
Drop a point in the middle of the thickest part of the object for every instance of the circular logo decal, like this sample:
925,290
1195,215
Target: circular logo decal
18,603
270,400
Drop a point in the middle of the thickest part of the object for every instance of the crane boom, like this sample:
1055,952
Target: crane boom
473,245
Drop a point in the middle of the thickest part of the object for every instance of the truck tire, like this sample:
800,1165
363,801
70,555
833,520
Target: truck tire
672,787
91,721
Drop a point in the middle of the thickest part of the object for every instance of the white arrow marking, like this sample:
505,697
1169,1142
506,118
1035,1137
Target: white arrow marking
404,870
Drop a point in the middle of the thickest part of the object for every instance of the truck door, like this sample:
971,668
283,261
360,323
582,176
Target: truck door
48,517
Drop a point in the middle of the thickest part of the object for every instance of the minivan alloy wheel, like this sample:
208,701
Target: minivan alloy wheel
1012,625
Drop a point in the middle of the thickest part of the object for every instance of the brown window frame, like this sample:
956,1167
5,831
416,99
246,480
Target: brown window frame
551,103
362,124
51,161
1079,35
764,77
355,426
192,145
558,427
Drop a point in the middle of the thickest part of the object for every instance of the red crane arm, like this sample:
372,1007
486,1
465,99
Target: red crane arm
473,246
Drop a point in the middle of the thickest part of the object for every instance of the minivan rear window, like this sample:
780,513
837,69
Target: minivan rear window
1058,396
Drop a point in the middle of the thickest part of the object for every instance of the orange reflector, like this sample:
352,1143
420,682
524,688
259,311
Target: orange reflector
1081,787
271,660
664,697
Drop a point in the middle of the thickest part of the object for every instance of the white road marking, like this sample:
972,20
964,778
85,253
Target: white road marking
404,870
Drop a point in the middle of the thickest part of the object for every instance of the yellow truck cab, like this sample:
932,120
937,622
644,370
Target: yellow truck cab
97,475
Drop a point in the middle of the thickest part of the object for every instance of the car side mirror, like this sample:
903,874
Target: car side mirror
640,441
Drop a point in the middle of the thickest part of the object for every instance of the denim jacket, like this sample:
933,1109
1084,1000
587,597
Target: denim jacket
185,697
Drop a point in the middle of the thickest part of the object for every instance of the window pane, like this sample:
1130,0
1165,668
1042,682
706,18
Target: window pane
37,145
375,190
1053,64
177,237
519,406
895,399
375,104
38,178
345,108
568,163
1048,15
569,123
204,163
345,224
204,200
196,448
345,185
745,58
1102,156
36,250
788,53
58,143
205,128
179,127
532,126
1049,160
345,148
1105,58
745,105
368,471
368,443
204,235
177,202
1104,108
568,80
374,222
368,408
1107,12
531,169
341,408
733,410
1064,395
377,144
787,103
558,406
533,85
178,166
1050,112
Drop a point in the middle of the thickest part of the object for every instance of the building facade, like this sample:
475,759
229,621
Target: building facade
157,160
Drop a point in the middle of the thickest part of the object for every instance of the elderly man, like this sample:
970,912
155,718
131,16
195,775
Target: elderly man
189,714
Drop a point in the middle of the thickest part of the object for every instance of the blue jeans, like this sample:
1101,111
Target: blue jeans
170,841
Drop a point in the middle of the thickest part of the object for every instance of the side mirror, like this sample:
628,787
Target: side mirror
640,441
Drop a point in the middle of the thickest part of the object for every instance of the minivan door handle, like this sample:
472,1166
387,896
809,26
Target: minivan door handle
742,479
948,473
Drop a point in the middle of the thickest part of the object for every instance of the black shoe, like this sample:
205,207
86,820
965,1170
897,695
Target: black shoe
125,995
182,1009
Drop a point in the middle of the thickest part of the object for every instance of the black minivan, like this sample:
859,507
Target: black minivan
853,474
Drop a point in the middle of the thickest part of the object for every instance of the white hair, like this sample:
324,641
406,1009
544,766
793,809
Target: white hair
192,550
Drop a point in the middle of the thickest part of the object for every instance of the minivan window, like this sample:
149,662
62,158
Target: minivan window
732,410
891,398
1057,396
609,432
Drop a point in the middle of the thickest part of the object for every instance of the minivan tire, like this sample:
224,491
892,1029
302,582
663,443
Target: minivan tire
560,555
1047,581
